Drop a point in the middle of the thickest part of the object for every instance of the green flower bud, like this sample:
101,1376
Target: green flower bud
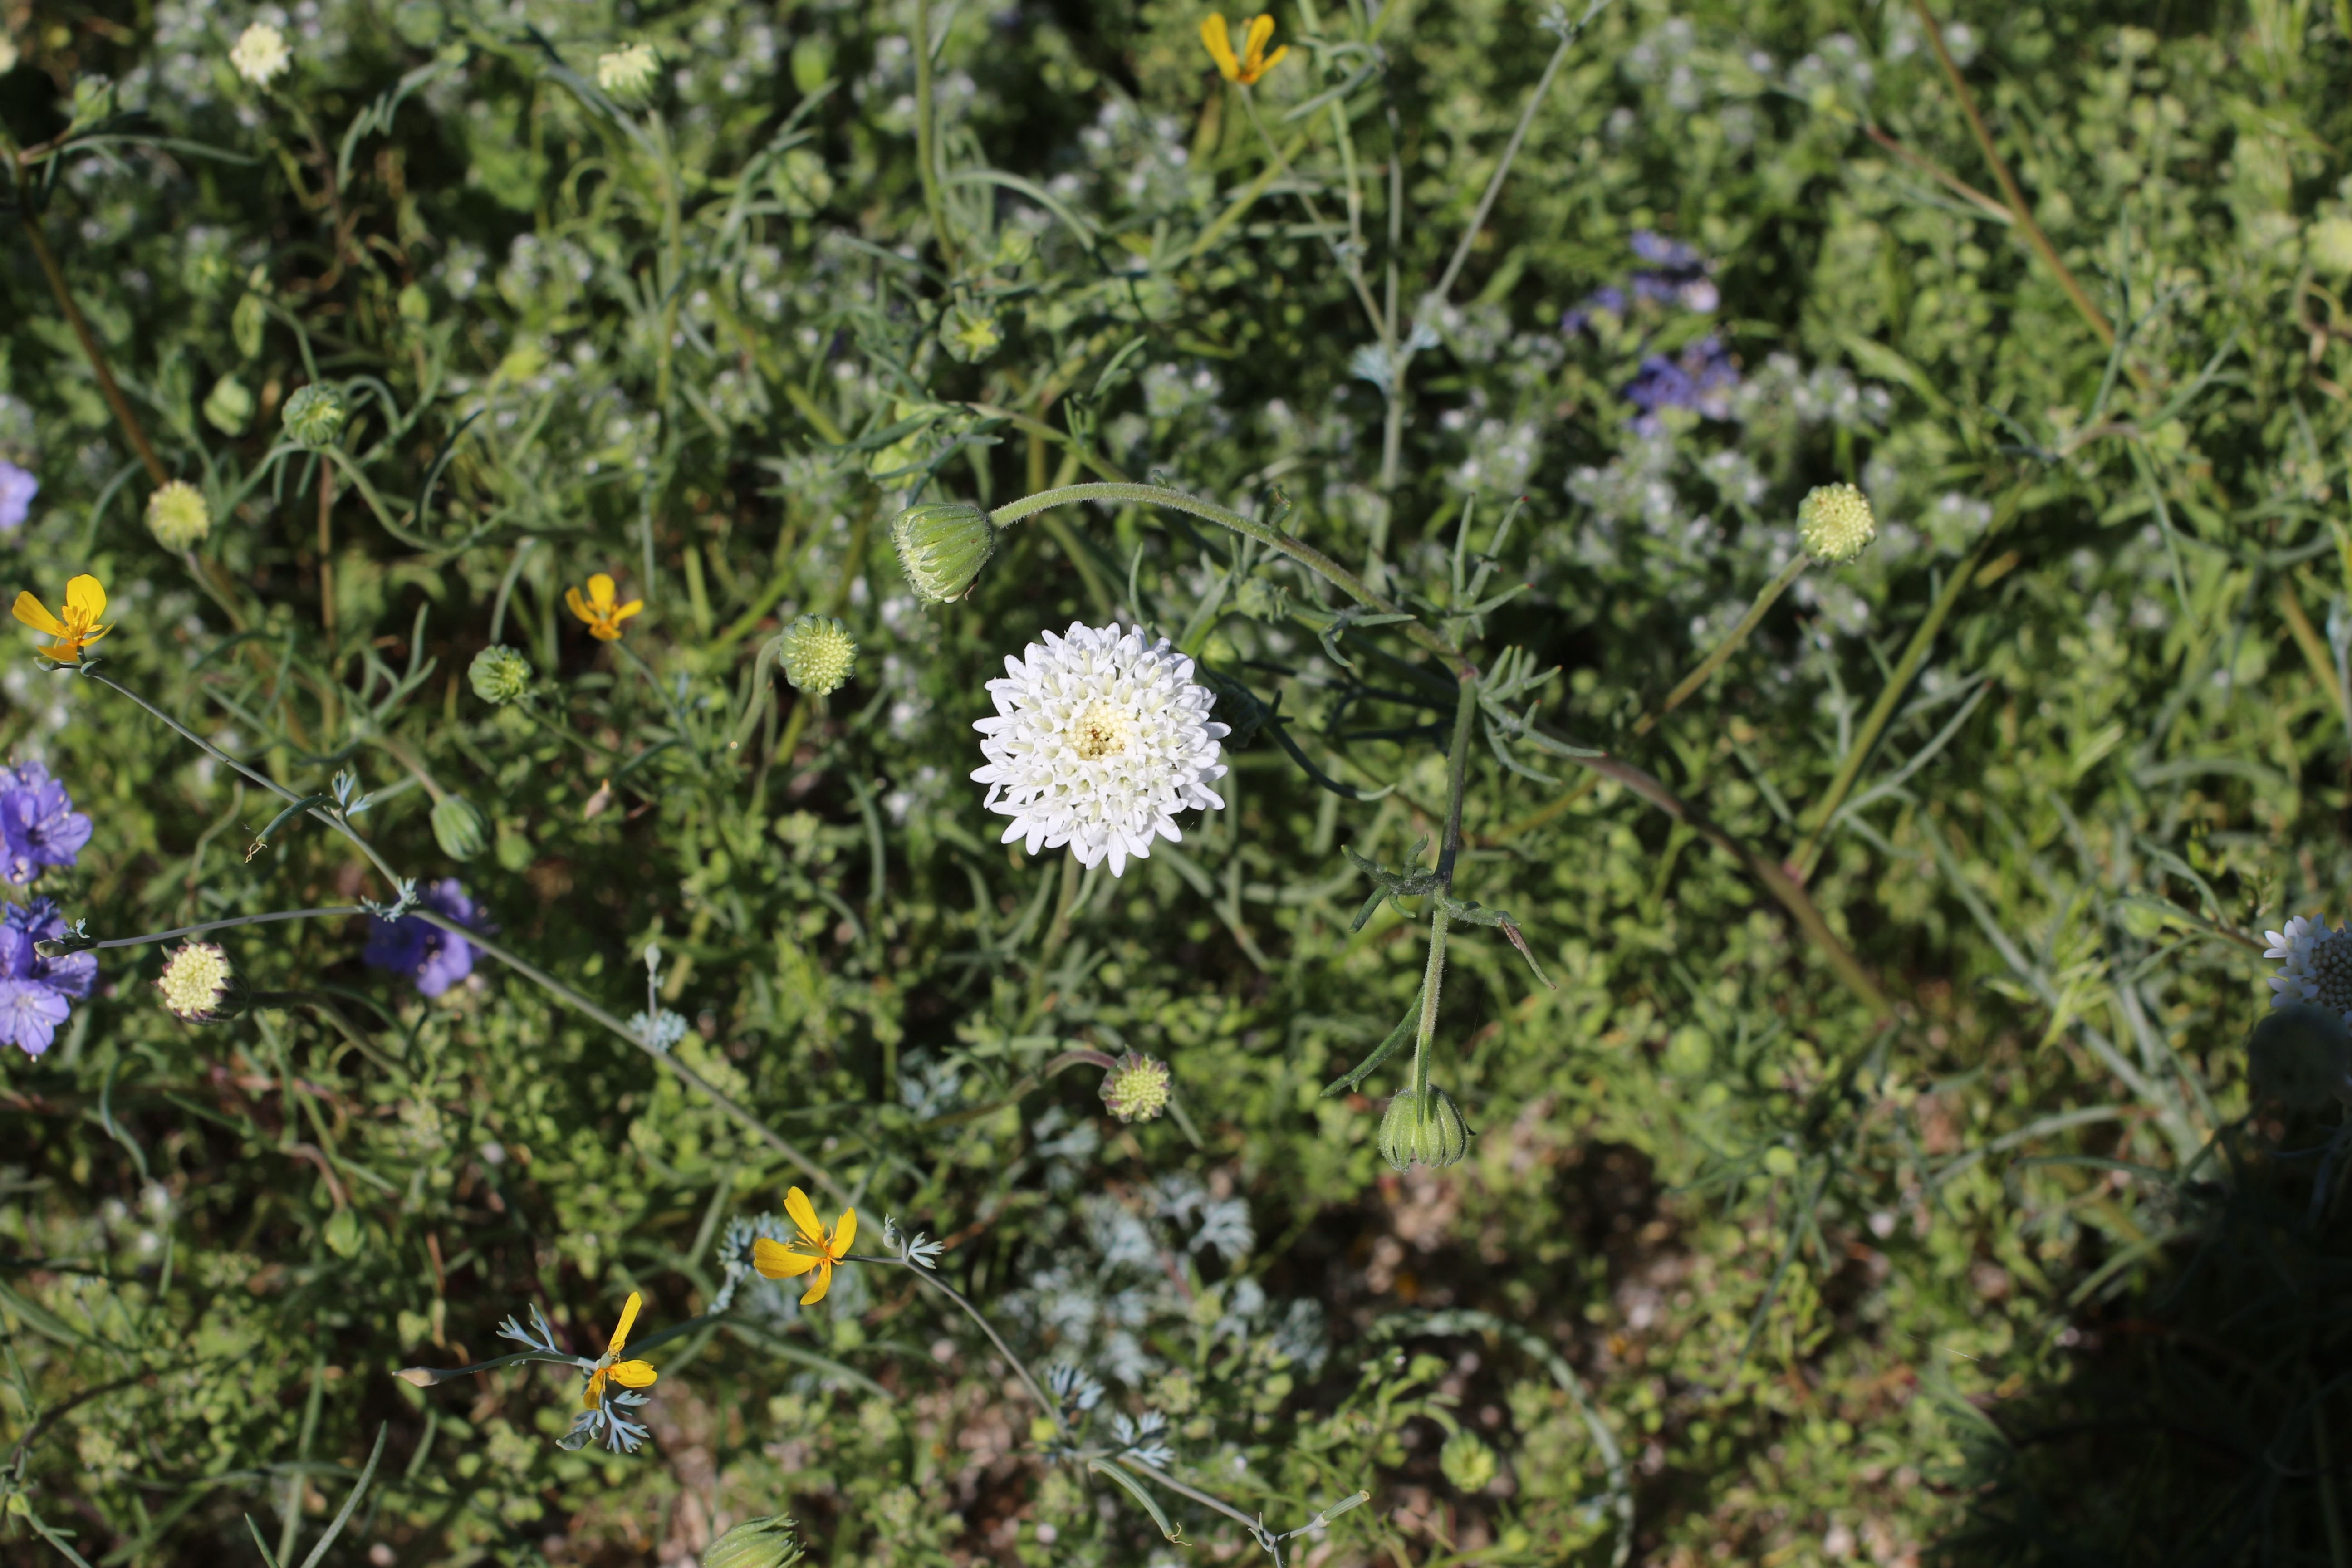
414,305
1835,523
816,653
247,322
2331,245
314,415
942,545
755,1543
178,516
199,987
228,406
2302,1054
1136,1090
970,335
500,675
1467,1462
459,828
1416,1133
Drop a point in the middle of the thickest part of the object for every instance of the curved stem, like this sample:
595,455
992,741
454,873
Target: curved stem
1021,1369
144,938
1728,646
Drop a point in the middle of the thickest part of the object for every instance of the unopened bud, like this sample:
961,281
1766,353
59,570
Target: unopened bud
1423,1131
942,545
755,1543
314,415
459,828
817,653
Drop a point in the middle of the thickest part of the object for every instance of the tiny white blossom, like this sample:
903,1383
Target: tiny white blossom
2315,965
261,56
1097,742
626,71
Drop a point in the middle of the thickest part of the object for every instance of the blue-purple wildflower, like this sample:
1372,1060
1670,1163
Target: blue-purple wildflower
38,826
1701,379
434,958
37,992
17,488
1704,375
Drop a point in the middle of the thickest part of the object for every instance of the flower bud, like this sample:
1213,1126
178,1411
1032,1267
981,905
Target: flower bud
1136,1088
1424,1134
970,335
755,1543
199,987
942,545
2302,1054
816,653
459,828
178,516
500,675
1835,523
314,415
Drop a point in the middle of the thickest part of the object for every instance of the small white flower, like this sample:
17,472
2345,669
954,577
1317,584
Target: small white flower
1097,743
626,71
261,56
2315,965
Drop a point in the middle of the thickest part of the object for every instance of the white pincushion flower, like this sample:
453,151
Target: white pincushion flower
1097,743
260,55
2315,965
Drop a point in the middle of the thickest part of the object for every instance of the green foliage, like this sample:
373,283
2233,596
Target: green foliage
1853,1044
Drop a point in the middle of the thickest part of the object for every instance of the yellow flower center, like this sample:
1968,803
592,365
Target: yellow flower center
1102,731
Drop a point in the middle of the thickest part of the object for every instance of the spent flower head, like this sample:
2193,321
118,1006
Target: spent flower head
817,653
601,610
77,629
199,985
815,1250
1136,1088
500,675
1835,523
260,55
178,516
1253,61
1097,742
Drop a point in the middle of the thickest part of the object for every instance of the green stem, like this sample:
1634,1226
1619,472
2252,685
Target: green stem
684,1073
1728,646
1020,1368
927,133
141,940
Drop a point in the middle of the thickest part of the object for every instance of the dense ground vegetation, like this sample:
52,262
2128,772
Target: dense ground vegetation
1872,1171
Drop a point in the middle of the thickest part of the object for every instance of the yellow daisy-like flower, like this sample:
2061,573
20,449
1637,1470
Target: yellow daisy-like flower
814,1248
85,601
1254,62
627,1374
603,617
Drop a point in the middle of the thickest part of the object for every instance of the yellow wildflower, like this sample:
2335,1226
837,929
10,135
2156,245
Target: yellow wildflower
816,1248
598,610
85,601
627,1374
1255,62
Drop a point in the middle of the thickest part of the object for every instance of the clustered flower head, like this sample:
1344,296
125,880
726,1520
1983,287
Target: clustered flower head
260,55
2315,965
1834,523
1253,61
178,516
434,958
628,72
1136,1088
35,993
38,826
17,488
199,985
1097,742
500,674
600,610
817,653
815,1250
77,629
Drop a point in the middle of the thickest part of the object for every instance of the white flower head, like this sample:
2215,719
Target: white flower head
1098,741
2315,965
261,56
627,71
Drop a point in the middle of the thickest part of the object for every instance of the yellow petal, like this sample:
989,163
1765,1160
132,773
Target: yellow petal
1261,28
843,1233
600,590
774,1260
624,612
578,606
824,1283
1272,60
35,615
628,1322
635,1375
595,1395
803,1213
1220,46
87,594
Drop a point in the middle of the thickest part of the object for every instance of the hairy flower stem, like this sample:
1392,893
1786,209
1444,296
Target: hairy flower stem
107,387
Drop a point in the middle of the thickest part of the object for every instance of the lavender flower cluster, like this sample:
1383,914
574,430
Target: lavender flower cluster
1702,377
38,828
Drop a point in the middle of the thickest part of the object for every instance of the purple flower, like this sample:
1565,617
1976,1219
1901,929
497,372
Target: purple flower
38,826
1608,298
34,990
1678,274
1701,379
17,490
434,958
